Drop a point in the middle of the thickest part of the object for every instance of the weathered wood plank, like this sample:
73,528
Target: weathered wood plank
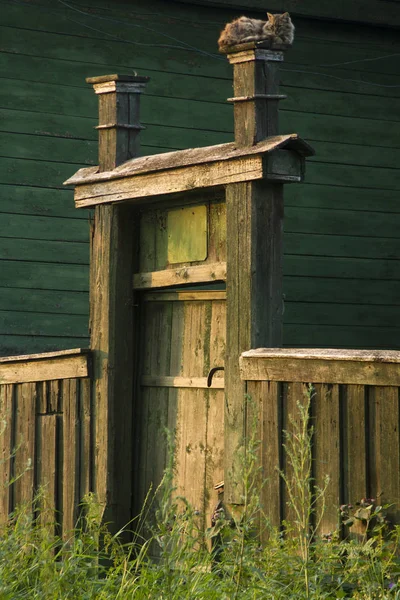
145,187
47,369
327,455
70,467
6,430
384,446
264,424
25,432
354,458
254,297
181,382
215,410
191,157
111,317
187,274
359,367
43,355
296,496
54,396
47,471
85,438
177,296
355,444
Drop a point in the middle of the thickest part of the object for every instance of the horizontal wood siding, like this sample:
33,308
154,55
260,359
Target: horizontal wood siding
341,225
356,438
46,442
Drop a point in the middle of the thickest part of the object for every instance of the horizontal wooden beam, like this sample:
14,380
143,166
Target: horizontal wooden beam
196,274
138,187
200,296
45,367
182,382
322,366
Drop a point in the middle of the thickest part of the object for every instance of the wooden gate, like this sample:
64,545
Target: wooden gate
182,337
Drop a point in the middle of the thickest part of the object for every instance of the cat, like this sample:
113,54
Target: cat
279,29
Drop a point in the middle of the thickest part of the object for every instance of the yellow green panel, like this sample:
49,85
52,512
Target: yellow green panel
187,234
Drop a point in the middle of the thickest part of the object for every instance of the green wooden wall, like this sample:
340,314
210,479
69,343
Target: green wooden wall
342,226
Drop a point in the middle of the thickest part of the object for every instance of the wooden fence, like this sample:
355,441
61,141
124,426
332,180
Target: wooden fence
46,433
355,414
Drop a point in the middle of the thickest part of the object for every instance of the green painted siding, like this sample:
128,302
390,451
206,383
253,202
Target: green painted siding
342,227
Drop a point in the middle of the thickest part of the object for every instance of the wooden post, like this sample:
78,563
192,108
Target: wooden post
254,248
119,126
111,302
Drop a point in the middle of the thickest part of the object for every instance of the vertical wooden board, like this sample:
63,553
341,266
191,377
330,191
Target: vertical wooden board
158,420
293,394
24,442
214,450
147,253
263,431
177,328
85,435
271,440
54,396
254,299
162,347
385,448
326,453
354,456
155,355
70,456
217,233
143,479
41,401
112,334
215,410
191,448
218,335
47,466
196,335
161,239
6,428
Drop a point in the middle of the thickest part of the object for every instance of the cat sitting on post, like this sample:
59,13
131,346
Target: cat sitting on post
278,30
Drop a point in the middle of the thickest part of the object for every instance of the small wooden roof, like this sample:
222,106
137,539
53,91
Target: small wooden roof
189,157
176,171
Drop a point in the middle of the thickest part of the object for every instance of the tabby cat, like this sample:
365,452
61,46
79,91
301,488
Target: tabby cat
279,29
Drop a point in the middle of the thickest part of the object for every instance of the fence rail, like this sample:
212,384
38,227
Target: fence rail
46,414
355,413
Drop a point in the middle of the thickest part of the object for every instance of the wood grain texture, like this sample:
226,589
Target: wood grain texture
169,277
254,298
70,467
7,417
181,382
142,188
322,366
111,318
44,369
384,446
25,433
47,470
192,157
327,455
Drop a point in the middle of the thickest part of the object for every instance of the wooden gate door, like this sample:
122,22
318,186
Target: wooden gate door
182,338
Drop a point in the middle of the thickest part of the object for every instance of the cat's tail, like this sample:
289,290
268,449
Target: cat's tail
256,38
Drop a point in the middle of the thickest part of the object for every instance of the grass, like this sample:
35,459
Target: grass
292,563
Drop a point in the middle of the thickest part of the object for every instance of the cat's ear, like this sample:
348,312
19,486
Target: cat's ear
271,18
286,15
